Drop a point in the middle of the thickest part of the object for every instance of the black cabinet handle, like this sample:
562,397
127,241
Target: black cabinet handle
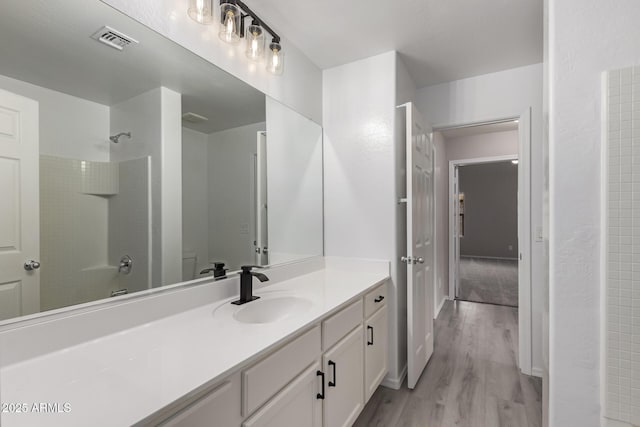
379,299
333,364
371,329
320,395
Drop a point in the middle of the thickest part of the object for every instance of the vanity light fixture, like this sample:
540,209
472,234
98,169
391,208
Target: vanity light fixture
201,11
254,37
231,18
275,59
230,22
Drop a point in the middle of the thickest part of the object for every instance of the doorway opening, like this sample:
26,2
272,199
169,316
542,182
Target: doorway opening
486,237
467,152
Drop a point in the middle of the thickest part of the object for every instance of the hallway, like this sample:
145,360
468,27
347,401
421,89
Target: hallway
492,281
471,380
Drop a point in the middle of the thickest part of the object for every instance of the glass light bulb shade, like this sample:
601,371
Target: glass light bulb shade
275,59
201,11
230,17
254,36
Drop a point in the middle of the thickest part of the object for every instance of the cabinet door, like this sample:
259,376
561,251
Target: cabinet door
219,408
375,351
297,405
344,372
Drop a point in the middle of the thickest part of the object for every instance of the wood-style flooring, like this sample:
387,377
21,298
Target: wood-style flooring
471,380
492,281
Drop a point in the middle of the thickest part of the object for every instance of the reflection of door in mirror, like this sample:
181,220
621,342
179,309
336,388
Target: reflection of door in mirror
261,234
90,205
19,235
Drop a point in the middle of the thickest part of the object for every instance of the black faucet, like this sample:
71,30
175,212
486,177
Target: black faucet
218,270
246,284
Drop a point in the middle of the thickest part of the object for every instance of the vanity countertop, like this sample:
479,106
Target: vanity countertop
121,378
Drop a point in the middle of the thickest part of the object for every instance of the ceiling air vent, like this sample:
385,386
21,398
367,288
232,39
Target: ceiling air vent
113,38
194,118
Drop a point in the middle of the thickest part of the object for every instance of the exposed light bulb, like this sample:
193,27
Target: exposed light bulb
201,11
254,46
275,59
229,26
254,36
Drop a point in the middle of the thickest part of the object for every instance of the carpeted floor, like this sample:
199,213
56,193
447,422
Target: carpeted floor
493,281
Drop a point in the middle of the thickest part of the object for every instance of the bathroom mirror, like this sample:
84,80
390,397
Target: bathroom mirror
129,163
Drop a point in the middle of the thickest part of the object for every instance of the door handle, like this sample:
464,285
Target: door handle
370,328
31,265
419,260
333,364
320,374
406,259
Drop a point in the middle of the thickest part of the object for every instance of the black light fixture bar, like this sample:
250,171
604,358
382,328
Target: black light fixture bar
252,14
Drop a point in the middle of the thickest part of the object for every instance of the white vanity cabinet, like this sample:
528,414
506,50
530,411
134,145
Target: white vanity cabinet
343,368
322,377
376,340
375,351
220,408
297,405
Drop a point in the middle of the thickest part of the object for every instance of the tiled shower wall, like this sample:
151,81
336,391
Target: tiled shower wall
79,247
74,230
623,251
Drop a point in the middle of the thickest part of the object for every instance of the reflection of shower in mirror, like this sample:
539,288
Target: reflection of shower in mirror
116,138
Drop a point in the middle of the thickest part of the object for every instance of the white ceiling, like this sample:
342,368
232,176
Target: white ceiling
47,43
439,40
459,132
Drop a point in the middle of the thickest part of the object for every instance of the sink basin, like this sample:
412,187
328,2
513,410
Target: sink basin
268,310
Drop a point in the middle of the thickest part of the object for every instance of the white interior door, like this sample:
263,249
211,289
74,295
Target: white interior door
420,251
261,241
19,206
457,232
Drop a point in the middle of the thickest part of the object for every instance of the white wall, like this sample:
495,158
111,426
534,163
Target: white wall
294,184
500,95
482,145
195,196
586,37
359,170
70,127
299,87
129,223
171,176
230,196
490,210
442,222
154,119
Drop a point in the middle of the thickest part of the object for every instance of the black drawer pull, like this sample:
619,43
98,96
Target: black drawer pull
333,383
380,298
320,395
371,329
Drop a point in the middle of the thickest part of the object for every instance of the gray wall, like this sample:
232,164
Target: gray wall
491,210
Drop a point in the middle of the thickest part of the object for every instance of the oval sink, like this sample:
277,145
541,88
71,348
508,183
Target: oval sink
270,310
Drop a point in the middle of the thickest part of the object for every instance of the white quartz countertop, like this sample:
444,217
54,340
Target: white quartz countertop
119,379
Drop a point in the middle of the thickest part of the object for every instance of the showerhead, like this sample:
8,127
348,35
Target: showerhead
116,138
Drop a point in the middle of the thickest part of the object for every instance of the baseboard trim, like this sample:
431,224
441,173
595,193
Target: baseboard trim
395,383
437,313
537,372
